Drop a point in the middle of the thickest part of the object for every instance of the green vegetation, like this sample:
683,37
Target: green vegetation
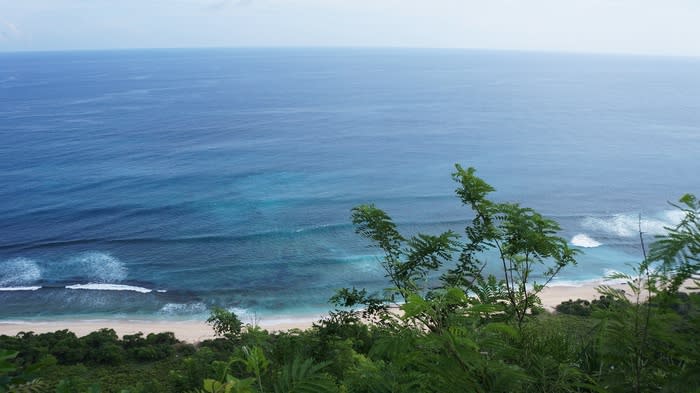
225,323
442,325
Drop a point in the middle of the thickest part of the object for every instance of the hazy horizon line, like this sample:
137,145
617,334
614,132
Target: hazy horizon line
358,47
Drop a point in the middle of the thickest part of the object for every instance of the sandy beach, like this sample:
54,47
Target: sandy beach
186,330
194,331
553,295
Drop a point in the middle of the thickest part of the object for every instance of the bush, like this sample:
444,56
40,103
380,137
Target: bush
225,323
69,350
578,307
104,347
154,347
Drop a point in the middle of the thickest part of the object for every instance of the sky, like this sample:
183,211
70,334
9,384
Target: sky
660,27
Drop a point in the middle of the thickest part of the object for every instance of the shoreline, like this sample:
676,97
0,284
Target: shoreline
193,331
553,295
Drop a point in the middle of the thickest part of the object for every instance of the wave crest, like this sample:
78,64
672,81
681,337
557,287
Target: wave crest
627,225
109,287
585,241
19,272
13,289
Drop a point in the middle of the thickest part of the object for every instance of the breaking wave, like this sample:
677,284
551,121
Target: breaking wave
628,225
585,241
19,273
109,287
99,266
183,308
12,289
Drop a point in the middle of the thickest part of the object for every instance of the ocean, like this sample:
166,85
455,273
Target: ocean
159,183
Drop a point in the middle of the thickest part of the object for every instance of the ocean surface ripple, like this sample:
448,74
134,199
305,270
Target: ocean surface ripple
161,183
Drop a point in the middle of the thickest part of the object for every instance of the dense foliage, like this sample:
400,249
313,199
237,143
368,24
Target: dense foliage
441,326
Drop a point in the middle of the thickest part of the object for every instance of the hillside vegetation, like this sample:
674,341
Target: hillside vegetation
442,325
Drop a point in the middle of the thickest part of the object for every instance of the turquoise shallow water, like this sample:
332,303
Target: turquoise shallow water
188,178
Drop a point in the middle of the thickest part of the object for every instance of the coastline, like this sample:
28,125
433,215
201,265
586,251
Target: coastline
198,330
553,295
191,331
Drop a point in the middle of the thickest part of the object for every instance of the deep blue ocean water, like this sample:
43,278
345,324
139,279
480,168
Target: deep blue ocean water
189,178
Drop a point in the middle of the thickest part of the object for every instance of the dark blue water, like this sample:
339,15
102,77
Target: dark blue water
189,178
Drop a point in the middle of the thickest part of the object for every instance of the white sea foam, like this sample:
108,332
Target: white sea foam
583,283
583,240
241,312
109,287
245,316
601,280
627,225
11,289
183,308
19,272
574,283
99,266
